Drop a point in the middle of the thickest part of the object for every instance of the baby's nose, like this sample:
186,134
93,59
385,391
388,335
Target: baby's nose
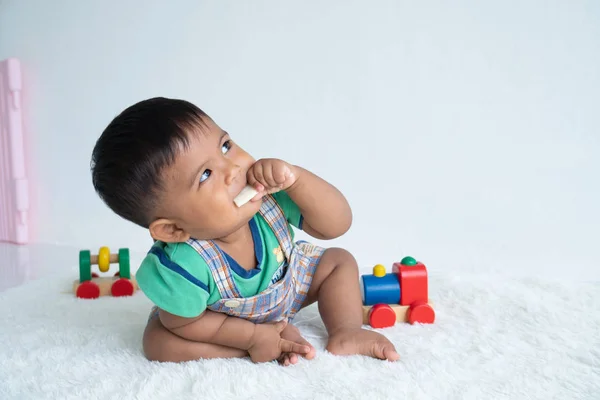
233,171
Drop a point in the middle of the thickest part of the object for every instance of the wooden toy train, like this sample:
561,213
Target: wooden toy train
91,286
400,296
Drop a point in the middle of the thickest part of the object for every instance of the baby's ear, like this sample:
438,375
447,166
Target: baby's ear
167,231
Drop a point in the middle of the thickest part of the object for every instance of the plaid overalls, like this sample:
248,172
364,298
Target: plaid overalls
282,299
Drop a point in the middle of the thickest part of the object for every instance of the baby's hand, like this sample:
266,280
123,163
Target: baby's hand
270,175
267,344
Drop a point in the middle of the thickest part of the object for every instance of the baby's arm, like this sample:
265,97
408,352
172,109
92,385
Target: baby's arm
325,210
262,341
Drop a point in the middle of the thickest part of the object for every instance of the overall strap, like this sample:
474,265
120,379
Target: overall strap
218,265
273,214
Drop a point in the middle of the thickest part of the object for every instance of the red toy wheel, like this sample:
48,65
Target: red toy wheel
95,275
420,312
382,316
88,290
122,287
118,273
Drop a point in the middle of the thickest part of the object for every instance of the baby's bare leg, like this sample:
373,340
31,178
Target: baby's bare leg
162,345
336,288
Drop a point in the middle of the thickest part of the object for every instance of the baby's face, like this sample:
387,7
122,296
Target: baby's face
203,181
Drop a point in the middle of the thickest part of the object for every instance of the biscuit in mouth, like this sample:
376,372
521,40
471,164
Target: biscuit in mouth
245,196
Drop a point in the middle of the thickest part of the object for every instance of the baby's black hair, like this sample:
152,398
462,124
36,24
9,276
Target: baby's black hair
132,152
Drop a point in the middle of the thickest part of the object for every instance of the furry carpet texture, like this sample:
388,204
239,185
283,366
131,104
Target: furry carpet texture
495,337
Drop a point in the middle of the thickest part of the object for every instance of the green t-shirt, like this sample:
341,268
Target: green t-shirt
178,280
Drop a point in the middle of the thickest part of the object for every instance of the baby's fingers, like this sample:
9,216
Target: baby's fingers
268,176
292,347
255,174
260,189
282,174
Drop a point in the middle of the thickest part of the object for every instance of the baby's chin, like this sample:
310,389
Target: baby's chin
246,212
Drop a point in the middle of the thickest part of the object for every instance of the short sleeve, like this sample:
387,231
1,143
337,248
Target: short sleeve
290,208
175,279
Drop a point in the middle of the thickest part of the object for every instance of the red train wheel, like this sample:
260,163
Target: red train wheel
122,287
421,312
382,316
88,290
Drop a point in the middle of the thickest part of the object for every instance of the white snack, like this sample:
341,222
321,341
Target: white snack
245,196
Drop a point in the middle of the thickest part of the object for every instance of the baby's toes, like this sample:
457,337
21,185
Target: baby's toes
288,359
390,353
284,360
384,350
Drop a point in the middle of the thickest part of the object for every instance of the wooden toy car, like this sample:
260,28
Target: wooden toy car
90,285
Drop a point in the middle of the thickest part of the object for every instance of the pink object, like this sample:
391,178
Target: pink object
14,187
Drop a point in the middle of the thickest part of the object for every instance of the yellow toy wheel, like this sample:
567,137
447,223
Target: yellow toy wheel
104,259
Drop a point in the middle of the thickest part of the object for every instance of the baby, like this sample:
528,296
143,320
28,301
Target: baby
227,279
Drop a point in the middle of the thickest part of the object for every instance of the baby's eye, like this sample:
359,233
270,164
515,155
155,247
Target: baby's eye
205,175
226,146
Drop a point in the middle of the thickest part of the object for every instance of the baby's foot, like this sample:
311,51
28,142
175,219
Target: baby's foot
290,332
362,341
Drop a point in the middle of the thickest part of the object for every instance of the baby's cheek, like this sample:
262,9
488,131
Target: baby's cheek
246,161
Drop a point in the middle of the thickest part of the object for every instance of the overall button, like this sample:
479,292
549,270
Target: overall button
232,303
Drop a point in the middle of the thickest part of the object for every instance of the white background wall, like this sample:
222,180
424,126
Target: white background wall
465,134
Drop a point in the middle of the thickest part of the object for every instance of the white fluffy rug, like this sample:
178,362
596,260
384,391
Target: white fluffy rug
495,338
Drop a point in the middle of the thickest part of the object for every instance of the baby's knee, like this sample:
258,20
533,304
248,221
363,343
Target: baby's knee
341,258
